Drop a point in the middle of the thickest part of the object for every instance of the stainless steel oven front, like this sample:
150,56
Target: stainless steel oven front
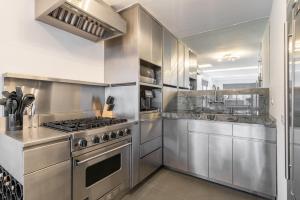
102,174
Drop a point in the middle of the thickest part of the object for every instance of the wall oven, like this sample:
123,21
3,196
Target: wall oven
102,174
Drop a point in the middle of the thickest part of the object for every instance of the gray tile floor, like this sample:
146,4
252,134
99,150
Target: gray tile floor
169,185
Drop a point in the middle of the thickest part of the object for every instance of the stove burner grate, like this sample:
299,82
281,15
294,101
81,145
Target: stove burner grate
83,124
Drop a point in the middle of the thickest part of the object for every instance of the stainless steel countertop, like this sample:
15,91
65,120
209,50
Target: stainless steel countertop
261,120
36,136
41,135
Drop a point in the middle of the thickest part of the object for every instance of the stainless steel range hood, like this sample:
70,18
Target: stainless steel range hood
91,19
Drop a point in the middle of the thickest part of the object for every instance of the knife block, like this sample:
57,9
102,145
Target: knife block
107,113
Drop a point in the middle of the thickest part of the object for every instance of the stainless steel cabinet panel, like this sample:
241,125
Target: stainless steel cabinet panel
150,146
220,158
169,98
135,155
203,126
145,33
50,183
198,153
296,169
150,129
45,156
175,144
254,131
181,64
186,68
254,165
157,43
193,65
169,58
150,163
151,38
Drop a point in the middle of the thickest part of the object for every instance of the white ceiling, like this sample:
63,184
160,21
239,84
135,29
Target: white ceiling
189,17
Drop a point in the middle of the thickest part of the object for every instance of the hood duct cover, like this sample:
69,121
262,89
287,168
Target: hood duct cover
90,19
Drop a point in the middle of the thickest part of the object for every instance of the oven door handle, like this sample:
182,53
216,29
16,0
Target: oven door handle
77,162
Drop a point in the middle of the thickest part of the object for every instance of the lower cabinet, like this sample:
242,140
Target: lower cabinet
50,183
198,154
220,158
175,144
254,165
243,157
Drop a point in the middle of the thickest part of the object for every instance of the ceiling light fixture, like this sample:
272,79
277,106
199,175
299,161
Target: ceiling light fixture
228,57
235,76
205,65
230,69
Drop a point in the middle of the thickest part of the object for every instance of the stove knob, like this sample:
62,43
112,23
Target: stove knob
82,143
113,135
96,140
120,133
127,131
105,137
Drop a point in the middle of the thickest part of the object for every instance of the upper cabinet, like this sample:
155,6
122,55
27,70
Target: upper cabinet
150,39
186,67
181,66
193,65
170,59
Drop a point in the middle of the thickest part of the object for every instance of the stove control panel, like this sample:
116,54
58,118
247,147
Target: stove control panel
96,139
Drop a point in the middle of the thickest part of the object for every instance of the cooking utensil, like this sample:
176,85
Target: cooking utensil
3,101
27,100
14,106
6,94
9,105
19,93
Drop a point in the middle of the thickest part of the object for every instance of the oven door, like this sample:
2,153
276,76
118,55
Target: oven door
105,171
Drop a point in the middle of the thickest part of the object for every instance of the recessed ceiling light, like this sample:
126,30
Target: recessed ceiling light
205,65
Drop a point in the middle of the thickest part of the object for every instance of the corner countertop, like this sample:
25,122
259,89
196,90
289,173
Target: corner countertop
261,120
35,136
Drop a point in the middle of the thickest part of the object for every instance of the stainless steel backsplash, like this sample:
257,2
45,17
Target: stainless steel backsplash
58,97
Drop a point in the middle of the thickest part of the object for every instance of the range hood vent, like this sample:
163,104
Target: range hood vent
91,19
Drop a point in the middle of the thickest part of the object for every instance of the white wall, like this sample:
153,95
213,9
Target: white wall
277,18
31,47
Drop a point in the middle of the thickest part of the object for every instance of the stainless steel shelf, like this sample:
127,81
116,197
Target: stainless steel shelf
151,85
49,79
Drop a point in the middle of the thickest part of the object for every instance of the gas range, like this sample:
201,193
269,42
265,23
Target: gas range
94,132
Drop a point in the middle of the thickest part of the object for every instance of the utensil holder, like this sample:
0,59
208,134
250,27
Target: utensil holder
13,123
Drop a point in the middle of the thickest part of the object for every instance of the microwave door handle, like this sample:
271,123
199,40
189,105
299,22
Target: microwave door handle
77,162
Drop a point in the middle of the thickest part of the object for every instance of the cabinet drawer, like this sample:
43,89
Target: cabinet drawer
210,127
50,183
150,129
254,131
150,163
150,146
45,156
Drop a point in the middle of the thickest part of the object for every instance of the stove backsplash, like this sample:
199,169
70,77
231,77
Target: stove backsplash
59,98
